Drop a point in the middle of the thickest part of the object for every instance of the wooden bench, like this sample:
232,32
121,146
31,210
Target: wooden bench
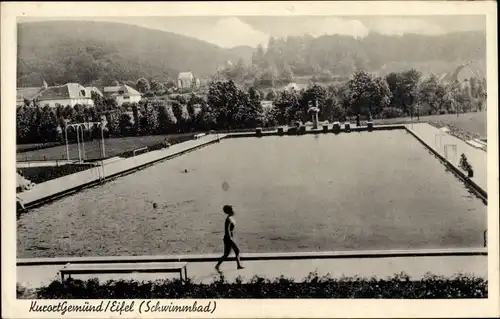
122,268
197,136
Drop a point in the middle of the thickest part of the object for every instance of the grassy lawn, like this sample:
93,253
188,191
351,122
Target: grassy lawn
475,123
357,191
114,147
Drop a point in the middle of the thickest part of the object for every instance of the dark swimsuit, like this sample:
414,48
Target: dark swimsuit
227,238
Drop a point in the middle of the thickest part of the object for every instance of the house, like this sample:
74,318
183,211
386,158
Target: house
93,89
67,94
122,94
461,73
26,95
292,86
267,104
187,80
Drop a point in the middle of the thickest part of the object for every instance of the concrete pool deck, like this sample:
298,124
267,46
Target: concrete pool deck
476,157
379,266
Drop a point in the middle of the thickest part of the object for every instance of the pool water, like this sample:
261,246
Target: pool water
357,191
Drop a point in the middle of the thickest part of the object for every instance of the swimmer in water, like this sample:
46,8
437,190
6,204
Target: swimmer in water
228,240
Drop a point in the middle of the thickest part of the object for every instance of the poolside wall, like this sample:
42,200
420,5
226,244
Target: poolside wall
367,254
482,194
314,131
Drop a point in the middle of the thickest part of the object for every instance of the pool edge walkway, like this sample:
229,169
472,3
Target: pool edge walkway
204,272
427,134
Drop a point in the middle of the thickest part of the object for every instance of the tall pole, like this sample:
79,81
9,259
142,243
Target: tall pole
78,143
67,146
83,141
102,139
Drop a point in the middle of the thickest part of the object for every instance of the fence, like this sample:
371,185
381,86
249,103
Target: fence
145,148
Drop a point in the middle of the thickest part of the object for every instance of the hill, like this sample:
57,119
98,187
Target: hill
84,51
89,52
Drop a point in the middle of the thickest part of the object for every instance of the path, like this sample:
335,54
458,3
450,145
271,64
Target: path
53,187
204,272
476,157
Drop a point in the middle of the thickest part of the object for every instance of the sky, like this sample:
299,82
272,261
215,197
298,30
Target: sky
229,32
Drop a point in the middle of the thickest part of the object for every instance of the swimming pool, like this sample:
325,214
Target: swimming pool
368,190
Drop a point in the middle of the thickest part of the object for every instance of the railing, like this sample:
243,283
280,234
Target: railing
140,149
485,238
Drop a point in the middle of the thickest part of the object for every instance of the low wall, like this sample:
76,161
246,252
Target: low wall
316,131
481,193
257,256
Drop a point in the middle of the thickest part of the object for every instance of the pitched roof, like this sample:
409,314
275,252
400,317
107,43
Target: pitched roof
94,89
186,75
27,93
66,91
114,90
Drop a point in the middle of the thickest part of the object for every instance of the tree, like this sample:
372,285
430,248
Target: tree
208,117
288,107
431,93
404,90
136,118
113,119
150,125
268,77
250,110
156,86
142,85
368,94
258,56
224,99
125,123
47,126
287,73
27,124
314,96
271,95
167,121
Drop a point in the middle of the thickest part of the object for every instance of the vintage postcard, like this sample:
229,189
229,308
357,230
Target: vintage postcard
249,159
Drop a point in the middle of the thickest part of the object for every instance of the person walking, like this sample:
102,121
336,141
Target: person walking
228,240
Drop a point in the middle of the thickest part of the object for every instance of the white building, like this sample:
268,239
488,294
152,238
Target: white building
67,94
122,94
187,80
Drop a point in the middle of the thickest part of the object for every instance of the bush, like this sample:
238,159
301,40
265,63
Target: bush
398,287
42,174
22,148
159,146
390,113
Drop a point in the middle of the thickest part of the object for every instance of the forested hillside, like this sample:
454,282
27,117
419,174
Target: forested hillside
86,52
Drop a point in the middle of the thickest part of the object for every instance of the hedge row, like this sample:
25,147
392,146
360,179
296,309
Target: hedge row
40,174
398,287
159,146
23,148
